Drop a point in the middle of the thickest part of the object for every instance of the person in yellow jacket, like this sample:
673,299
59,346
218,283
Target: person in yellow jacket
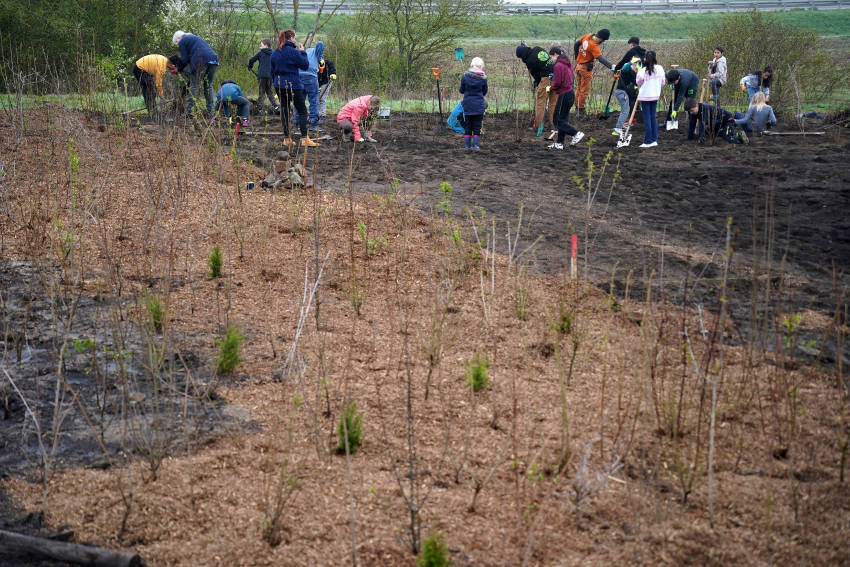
149,71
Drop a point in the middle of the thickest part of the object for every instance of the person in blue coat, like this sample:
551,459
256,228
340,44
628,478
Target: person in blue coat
231,93
473,87
202,64
287,61
264,72
310,80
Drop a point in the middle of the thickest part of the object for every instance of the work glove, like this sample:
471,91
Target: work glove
613,68
674,113
361,140
767,99
321,61
743,89
627,66
333,77
548,88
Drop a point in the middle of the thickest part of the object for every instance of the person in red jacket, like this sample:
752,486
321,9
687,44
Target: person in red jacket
562,85
350,116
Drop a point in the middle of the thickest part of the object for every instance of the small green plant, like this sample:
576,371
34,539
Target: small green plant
84,344
229,347
352,422
156,311
444,205
435,552
565,321
477,376
215,262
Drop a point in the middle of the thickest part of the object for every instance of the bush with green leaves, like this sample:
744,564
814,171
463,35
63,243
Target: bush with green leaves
435,552
477,375
802,71
352,423
228,350
215,261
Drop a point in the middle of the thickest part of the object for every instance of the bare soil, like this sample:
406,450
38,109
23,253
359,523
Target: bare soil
591,444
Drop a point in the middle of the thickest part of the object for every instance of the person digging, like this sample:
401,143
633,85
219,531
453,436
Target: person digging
587,50
359,112
685,84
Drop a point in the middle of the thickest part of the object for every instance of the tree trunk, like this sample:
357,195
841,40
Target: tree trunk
14,543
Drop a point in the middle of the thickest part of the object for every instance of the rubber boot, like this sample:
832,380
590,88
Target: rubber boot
475,145
467,141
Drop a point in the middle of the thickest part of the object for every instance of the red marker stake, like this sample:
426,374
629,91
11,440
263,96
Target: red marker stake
573,254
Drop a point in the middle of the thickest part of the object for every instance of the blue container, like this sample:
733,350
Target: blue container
459,54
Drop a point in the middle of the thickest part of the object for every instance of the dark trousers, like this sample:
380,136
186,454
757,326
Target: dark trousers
243,106
265,85
296,97
473,124
562,116
202,76
148,88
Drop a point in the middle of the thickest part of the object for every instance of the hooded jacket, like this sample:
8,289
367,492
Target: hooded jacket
562,81
717,69
196,52
286,62
228,91
264,58
757,119
538,67
650,85
326,72
314,55
473,87
688,86
156,66
636,51
355,111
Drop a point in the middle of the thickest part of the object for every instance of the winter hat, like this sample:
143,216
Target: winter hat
603,34
177,35
477,64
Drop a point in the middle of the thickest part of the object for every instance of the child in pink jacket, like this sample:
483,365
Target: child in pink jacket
351,114
650,79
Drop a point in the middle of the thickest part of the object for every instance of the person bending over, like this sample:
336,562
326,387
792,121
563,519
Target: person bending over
356,114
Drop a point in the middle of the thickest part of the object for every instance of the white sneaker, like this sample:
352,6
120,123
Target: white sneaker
617,132
653,144
577,138
555,146
646,145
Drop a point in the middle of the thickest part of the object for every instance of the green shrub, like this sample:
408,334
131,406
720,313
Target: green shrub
229,347
435,552
565,321
215,262
477,375
352,421
156,311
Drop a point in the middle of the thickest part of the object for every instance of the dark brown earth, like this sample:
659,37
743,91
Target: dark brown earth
663,220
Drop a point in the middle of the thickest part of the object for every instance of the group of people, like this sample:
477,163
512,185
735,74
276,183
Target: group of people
640,80
288,75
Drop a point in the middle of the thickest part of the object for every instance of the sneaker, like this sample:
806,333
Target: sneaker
306,141
653,144
245,122
617,132
577,138
743,137
555,146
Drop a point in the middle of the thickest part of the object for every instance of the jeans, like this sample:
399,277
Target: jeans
562,116
311,89
203,75
324,91
243,106
625,107
287,97
714,85
650,120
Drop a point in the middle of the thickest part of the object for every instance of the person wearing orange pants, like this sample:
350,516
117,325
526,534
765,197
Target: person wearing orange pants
587,50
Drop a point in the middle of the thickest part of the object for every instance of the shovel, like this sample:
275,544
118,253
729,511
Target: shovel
435,72
607,113
671,124
625,135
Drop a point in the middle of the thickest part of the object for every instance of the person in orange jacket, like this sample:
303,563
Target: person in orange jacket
586,50
350,116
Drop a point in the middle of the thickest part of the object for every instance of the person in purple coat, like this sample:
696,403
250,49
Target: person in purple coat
473,87
202,64
287,60
562,85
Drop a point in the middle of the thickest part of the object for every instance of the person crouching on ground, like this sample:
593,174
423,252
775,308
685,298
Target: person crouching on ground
759,115
473,87
588,51
287,60
231,93
562,85
712,120
651,80
264,73
149,71
359,112
757,81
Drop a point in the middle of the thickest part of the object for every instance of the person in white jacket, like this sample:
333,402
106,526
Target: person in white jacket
717,72
650,79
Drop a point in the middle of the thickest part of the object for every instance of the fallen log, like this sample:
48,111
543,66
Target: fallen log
14,543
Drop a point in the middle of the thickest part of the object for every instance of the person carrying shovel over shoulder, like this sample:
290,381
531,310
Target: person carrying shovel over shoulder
587,50
685,84
359,112
540,66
